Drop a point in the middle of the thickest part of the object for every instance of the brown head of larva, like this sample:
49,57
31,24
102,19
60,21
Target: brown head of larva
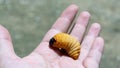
66,42
51,42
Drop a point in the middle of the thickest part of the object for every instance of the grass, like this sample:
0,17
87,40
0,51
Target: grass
29,20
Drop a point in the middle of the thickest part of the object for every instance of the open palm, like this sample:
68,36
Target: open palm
45,57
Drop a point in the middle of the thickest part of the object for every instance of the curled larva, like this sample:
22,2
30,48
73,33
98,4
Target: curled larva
66,42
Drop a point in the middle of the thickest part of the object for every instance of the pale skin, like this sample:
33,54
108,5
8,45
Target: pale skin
45,57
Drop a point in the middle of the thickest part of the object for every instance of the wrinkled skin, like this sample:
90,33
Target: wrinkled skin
45,57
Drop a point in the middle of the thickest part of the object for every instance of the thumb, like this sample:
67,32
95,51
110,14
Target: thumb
6,47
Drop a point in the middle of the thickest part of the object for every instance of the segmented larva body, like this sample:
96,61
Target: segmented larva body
66,42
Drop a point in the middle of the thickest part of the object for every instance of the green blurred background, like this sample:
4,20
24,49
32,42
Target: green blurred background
29,20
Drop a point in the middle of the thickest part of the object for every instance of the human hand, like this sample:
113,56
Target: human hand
45,57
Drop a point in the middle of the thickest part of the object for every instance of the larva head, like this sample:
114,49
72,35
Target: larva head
52,41
55,41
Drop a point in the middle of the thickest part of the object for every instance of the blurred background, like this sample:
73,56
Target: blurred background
28,21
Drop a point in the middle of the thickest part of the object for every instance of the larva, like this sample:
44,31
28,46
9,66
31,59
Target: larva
66,42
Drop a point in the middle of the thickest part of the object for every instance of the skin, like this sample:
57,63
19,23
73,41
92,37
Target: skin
45,57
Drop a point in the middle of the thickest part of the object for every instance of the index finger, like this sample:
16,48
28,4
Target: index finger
63,22
61,25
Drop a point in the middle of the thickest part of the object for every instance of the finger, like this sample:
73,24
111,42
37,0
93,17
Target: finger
88,41
80,25
63,22
93,59
61,25
6,47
